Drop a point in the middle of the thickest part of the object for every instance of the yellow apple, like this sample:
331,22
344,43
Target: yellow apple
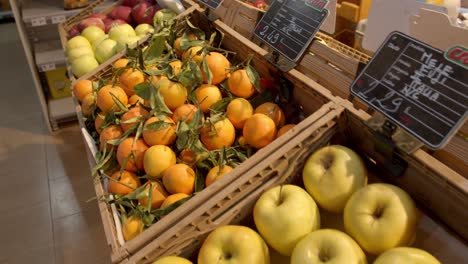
380,217
328,246
172,260
234,245
406,255
332,174
284,215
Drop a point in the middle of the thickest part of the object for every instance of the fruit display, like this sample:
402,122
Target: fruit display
100,36
288,220
175,117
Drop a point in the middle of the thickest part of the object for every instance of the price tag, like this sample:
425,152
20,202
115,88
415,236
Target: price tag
58,19
317,4
48,67
414,86
213,4
289,26
40,21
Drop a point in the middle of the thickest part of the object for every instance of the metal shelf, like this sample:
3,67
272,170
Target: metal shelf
5,14
45,12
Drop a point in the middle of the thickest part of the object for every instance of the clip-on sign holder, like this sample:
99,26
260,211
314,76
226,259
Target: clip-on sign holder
420,93
280,62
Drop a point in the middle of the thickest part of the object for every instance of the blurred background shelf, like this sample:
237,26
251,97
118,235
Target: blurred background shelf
37,23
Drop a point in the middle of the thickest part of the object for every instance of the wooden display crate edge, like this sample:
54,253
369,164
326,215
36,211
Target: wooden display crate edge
64,27
226,205
123,251
213,198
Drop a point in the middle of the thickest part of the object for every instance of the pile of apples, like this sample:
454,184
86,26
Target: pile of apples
379,219
99,37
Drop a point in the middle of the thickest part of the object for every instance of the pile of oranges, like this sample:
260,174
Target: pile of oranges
161,141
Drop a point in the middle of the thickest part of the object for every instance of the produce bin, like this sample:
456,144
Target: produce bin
65,27
440,192
319,100
335,65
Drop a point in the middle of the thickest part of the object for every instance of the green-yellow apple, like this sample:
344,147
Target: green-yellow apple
406,255
93,33
332,174
124,41
76,42
106,49
83,65
98,41
234,244
172,260
284,215
380,217
328,246
124,30
144,29
78,52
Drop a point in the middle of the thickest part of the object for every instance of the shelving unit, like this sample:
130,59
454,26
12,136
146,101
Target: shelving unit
37,22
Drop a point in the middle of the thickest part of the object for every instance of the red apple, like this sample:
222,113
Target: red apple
122,12
143,13
93,21
107,20
114,23
73,32
98,15
132,3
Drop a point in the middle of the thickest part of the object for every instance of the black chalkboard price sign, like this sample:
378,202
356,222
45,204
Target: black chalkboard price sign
289,26
213,4
416,87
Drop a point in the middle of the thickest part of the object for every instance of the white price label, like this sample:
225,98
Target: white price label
40,21
58,19
48,67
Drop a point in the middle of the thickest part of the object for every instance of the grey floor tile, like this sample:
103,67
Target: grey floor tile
24,230
80,238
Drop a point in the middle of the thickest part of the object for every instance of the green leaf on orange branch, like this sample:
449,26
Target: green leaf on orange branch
253,77
156,48
158,125
220,106
195,30
186,43
119,104
207,71
157,103
158,213
139,130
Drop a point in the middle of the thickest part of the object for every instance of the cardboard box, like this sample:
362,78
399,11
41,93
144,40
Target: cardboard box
72,4
58,83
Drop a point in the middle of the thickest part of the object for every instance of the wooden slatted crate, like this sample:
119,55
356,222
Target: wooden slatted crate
440,192
65,27
318,99
335,65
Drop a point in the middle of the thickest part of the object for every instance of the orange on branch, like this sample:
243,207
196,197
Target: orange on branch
218,135
137,150
240,85
259,131
105,100
179,178
165,136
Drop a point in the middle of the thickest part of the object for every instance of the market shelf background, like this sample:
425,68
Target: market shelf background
46,218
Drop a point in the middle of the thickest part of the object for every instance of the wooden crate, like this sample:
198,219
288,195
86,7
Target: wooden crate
335,65
440,192
64,27
318,98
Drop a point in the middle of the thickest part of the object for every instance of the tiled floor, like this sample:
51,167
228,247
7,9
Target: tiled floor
45,181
